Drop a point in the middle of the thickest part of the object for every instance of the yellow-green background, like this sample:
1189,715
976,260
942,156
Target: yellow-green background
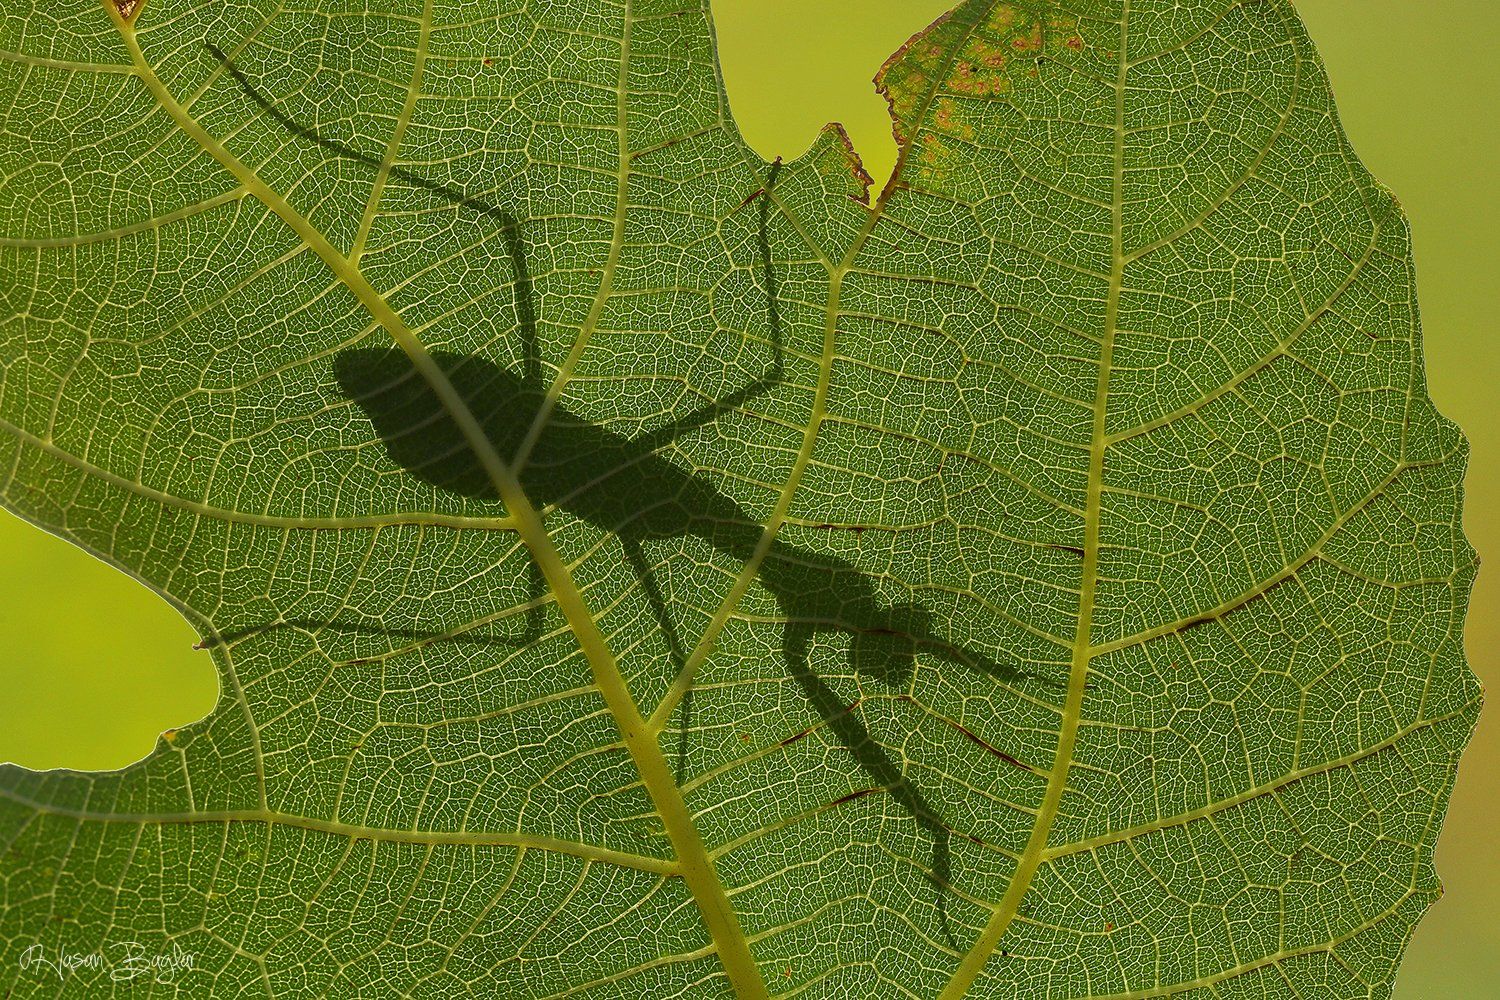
92,665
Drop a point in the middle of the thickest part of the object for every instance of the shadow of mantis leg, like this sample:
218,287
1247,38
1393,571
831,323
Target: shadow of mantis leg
535,613
658,602
844,721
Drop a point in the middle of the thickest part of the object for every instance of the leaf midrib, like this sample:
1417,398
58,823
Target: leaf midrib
694,864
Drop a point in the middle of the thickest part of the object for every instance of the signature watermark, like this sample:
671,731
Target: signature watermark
122,960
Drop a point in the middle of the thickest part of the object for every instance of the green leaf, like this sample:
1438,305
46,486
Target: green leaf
638,570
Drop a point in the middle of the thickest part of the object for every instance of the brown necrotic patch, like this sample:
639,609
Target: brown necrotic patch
950,120
1011,31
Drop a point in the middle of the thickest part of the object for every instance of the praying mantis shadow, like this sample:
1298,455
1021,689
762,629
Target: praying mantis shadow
626,486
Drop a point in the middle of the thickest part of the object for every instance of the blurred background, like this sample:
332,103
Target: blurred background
93,665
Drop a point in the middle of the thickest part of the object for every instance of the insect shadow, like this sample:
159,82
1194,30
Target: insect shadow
625,486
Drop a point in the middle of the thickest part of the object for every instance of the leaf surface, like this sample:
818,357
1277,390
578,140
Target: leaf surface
635,569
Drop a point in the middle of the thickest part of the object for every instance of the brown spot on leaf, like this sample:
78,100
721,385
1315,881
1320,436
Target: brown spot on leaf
950,120
748,199
991,748
793,738
855,795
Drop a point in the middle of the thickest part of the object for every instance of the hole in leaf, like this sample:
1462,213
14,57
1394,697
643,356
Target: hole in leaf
791,67
96,665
